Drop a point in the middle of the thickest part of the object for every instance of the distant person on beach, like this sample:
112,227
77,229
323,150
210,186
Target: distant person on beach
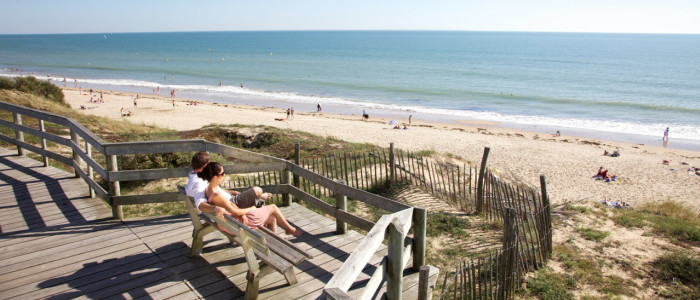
64,82
76,83
666,134
135,105
241,84
292,111
318,107
410,117
558,133
288,112
219,83
365,116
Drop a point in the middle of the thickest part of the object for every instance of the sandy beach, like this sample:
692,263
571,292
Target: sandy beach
568,162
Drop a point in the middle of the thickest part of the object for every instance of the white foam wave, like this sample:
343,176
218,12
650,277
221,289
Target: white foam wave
683,131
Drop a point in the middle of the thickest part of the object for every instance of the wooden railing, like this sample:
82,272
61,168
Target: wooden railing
395,226
401,219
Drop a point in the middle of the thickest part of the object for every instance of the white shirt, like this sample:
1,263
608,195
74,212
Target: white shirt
195,189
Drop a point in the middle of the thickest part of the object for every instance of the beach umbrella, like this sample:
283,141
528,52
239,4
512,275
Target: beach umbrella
392,122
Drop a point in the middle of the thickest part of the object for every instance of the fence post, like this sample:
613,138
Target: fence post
480,186
341,202
423,287
509,261
43,143
420,219
76,157
286,178
91,175
547,215
297,159
394,264
114,189
392,163
19,135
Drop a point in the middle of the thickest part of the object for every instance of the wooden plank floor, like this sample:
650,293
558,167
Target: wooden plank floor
57,243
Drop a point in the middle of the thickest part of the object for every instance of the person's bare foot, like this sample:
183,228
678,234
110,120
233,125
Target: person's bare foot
297,232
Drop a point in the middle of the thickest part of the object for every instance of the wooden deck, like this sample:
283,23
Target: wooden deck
57,243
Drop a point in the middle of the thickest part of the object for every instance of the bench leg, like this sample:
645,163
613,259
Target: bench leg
197,244
290,276
251,291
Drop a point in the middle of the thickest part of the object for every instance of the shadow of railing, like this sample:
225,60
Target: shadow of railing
25,201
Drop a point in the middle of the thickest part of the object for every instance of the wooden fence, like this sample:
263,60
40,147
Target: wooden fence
527,238
275,174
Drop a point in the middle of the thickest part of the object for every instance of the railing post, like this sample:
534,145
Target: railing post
392,163
43,143
114,189
341,202
286,178
19,135
394,264
423,286
297,159
480,186
420,219
547,215
76,157
91,175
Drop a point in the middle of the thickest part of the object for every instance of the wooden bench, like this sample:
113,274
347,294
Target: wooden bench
274,252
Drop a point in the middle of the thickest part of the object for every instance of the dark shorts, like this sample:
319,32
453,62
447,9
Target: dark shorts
247,199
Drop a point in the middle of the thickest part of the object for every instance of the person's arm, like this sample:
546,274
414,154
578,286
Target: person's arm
232,192
230,207
218,211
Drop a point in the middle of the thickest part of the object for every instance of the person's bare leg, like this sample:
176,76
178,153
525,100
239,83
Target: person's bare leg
288,229
271,223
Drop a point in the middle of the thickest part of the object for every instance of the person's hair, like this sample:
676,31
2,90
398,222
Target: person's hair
211,170
200,159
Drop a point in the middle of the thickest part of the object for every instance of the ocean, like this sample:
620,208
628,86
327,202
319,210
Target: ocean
624,87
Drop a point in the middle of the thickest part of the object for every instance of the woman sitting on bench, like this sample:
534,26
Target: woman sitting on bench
253,217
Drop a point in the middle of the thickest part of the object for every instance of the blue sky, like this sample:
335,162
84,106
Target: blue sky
639,16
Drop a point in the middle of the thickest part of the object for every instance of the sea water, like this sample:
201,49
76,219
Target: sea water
627,87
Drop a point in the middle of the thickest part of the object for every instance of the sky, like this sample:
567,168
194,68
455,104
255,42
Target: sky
625,16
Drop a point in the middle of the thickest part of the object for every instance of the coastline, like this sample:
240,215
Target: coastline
567,161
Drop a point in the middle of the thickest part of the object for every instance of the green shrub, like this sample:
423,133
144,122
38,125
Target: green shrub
34,86
678,266
441,223
629,218
548,285
592,234
677,229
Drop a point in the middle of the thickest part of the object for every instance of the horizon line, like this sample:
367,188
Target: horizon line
357,30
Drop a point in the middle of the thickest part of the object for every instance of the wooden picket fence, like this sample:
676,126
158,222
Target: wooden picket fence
449,182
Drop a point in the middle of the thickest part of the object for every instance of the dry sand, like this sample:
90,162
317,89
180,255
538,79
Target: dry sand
568,162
